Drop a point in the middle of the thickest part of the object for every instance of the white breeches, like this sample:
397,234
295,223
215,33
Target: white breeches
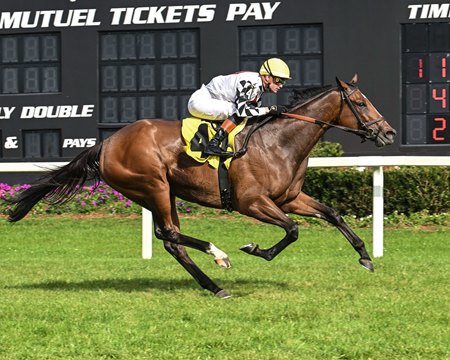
203,106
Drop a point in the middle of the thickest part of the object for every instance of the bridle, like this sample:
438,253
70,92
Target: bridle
364,131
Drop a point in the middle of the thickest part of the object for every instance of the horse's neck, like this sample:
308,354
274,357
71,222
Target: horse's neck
325,107
302,136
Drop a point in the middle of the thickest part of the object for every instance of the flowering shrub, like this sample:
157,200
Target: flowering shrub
183,207
99,197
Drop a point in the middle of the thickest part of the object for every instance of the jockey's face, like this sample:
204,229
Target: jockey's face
273,83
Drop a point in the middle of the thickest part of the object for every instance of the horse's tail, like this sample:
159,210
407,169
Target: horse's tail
59,185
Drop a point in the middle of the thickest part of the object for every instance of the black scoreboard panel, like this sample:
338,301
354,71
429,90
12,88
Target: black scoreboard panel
144,74
73,72
29,64
426,77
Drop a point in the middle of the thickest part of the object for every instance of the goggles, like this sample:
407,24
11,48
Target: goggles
279,81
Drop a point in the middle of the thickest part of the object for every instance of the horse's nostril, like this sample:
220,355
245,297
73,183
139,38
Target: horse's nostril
391,133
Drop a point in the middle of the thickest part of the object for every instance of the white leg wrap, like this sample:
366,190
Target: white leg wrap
216,252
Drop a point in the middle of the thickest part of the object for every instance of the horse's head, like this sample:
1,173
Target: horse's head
358,113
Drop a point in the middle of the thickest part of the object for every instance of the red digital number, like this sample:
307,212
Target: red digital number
420,68
444,67
443,122
443,97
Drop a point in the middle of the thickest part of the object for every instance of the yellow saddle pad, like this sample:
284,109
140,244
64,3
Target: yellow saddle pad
196,134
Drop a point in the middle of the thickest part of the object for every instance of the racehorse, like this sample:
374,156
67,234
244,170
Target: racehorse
145,161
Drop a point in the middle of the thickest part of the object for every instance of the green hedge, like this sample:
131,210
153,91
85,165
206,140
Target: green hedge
407,189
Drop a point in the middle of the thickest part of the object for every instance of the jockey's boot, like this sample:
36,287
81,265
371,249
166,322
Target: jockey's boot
212,148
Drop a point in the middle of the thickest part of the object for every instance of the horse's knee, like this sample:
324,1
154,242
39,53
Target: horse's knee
159,234
167,235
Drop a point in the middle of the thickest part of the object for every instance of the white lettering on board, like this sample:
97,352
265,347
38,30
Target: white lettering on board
11,142
162,14
47,18
53,112
5,112
429,11
144,15
256,11
79,143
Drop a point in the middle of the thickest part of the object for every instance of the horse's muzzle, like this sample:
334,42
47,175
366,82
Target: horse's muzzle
385,136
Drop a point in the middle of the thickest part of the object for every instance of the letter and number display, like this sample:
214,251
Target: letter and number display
426,84
147,73
29,63
299,45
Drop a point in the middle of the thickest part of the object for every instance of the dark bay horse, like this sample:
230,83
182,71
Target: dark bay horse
146,163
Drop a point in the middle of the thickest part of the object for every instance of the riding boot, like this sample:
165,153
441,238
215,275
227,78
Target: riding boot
212,148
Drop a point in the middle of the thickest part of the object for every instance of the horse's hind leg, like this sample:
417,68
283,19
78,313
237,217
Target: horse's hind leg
174,236
307,206
161,203
180,254
156,198
175,242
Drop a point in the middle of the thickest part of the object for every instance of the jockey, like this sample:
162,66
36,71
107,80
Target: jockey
237,96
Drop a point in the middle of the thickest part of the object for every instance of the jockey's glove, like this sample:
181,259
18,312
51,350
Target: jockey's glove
277,110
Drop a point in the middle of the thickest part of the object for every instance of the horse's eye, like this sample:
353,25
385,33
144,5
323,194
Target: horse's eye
362,104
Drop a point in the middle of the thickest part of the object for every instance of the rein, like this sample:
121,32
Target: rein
254,127
311,120
364,132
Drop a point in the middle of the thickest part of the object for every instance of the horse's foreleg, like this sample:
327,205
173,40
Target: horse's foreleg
265,210
307,206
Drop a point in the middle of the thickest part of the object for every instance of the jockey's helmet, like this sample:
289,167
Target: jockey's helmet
275,67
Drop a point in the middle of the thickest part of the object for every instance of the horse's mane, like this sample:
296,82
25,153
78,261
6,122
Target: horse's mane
299,96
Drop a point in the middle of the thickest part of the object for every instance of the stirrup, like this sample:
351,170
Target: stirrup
216,151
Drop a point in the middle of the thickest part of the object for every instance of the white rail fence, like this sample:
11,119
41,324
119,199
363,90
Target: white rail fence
376,163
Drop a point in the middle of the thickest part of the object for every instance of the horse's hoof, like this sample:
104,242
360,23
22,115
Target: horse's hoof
223,294
225,263
249,248
366,264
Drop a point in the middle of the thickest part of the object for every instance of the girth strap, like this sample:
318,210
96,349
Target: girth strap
224,187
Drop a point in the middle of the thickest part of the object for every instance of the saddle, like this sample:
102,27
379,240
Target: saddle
196,134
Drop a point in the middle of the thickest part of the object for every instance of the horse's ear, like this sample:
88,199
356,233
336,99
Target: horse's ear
354,79
341,84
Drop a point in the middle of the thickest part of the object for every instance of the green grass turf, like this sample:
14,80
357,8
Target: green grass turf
78,289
